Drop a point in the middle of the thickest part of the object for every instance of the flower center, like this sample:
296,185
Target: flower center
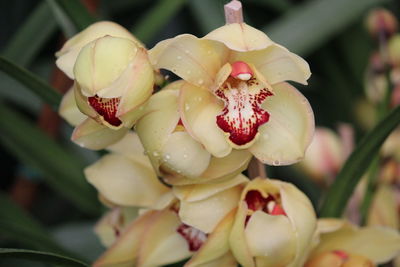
271,204
243,95
194,237
106,108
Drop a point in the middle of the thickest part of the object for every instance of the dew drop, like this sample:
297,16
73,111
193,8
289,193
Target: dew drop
185,156
155,154
178,57
167,157
200,81
187,107
209,52
276,163
187,51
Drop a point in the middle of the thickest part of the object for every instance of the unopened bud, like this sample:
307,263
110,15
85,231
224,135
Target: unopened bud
381,21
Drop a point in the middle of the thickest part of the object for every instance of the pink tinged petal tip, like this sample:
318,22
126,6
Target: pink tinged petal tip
242,114
106,108
194,237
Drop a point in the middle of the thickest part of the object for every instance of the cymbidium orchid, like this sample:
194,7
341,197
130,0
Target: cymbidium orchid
112,80
342,244
274,225
236,95
174,153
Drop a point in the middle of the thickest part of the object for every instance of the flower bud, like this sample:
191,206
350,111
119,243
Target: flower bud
324,156
381,21
113,80
274,225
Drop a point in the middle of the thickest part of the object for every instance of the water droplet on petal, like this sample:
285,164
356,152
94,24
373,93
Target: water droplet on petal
187,51
178,57
200,81
187,107
276,163
185,156
155,154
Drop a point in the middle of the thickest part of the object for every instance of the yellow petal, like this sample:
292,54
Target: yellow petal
91,135
276,64
198,192
195,60
69,52
161,244
125,250
238,239
271,237
375,243
68,109
182,154
160,120
199,108
102,62
301,213
207,213
285,137
124,181
215,250
240,37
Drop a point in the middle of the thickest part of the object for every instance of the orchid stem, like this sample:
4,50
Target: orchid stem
256,169
233,12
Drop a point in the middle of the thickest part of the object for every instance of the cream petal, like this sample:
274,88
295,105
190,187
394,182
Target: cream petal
199,108
161,244
125,250
375,243
198,192
276,64
289,131
301,214
238,240
91,135
69,52
101,62
193,59
272,237
216,248
131,147
124,181
206,214
82,102
240,37
182,154
139,85
68,109
160,119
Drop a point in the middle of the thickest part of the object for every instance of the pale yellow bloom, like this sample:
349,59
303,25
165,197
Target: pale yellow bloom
235,95
174,154
113,80
340,241
274,225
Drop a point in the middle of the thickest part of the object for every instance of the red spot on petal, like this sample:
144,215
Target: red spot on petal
342,254
242,114
240,67
194,237
107,108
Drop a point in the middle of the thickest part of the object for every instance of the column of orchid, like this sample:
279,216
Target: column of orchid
172,176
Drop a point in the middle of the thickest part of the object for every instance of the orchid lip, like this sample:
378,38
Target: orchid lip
242,114
106,108
194,237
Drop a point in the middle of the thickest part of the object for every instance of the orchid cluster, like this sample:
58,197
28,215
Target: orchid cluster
172,175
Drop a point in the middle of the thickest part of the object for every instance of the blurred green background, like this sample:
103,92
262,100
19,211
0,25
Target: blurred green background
45,203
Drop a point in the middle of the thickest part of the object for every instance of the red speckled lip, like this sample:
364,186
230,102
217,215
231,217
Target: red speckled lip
107,108
194,237
242,114
255,201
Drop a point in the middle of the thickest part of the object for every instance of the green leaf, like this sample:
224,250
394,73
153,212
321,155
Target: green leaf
18,225
308,25
209,14
31,81
40,256
358,162
61,170
31,36
156,18
72,15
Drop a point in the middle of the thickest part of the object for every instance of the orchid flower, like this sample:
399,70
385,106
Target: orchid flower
235,95
112,80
